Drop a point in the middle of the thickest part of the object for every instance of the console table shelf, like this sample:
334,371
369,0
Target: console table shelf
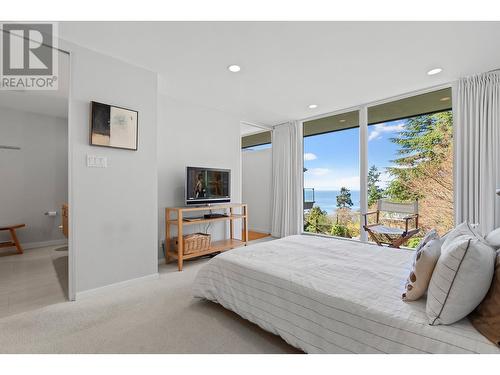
200,221
179,222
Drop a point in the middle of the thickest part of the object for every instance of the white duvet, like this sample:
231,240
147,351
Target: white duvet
325,295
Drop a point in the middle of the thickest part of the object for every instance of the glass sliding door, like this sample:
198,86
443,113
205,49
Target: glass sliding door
331,175
410,158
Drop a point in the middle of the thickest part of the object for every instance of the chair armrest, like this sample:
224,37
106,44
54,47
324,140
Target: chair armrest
411,217
369,213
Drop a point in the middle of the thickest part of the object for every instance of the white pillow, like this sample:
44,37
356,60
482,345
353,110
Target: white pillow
429,236
461,278
463,229
493,238
423,264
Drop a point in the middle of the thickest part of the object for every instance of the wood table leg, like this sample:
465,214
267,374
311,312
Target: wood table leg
245,224
167,236
231,224
180,242
15,240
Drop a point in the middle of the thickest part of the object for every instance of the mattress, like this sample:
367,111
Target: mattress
325,295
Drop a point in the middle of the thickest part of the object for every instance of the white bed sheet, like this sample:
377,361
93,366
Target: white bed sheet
326,295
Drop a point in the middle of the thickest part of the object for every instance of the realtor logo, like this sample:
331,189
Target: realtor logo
29,56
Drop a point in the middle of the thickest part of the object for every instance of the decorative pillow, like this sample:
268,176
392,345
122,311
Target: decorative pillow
423,264
461,278
463,229
493,238
429,236
486,318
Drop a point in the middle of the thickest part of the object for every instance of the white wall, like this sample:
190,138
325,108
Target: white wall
190,135
114,210
256,187
34,179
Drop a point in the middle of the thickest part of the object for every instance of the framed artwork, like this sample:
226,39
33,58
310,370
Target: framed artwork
112,126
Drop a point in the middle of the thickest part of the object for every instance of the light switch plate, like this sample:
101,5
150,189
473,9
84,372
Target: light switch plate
94,161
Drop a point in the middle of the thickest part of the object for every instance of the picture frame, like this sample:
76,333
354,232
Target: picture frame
114,127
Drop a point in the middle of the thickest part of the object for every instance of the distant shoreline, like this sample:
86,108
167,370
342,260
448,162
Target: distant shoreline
327,200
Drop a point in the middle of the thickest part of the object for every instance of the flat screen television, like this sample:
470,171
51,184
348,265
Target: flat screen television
207,185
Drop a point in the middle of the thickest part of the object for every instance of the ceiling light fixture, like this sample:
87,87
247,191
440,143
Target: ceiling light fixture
434,71
234,68
445,99
343,120
312,106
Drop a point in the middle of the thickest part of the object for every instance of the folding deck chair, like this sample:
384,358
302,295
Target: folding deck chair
395,212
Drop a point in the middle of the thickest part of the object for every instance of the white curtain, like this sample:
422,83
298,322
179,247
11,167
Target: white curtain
287,180
477,142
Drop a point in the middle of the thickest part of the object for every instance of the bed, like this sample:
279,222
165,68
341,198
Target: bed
325,295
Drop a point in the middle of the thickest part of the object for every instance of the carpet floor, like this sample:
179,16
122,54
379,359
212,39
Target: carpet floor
154,316
32,280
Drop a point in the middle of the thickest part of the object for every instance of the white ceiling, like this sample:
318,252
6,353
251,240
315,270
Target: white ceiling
288,65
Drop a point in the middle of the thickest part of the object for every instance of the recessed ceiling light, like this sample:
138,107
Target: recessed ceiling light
234,68
445,99
343,120
434,71
312,106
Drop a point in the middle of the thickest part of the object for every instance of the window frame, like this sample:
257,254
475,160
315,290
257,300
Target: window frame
363,145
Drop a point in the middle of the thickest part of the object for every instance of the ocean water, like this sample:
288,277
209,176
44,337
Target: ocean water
327,200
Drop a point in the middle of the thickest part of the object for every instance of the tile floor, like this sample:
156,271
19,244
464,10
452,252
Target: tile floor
35,279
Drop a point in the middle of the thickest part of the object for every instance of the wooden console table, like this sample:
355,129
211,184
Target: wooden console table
216,246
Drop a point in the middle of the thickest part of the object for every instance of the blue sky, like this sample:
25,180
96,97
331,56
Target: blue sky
332,159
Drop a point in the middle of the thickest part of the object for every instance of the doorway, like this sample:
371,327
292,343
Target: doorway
256,170
34,195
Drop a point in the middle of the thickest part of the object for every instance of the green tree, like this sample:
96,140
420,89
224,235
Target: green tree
398,190
340,230
374,191
316,221
425,143
424,168
344,198
424,139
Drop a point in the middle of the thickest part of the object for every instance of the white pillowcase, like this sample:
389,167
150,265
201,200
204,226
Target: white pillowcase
462,276
493,238
463,229
420,275
429,236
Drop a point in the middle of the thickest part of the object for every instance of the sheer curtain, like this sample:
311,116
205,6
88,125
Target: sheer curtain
477,142
287,180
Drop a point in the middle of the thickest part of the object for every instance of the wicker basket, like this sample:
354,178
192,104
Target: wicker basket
195,243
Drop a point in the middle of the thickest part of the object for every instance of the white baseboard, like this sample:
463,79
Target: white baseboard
32,245
121,284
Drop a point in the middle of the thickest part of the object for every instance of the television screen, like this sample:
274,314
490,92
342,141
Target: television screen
207,185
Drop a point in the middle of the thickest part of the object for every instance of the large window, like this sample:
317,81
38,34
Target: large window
409,157
331,175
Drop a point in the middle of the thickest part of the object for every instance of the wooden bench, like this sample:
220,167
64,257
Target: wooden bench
14,240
